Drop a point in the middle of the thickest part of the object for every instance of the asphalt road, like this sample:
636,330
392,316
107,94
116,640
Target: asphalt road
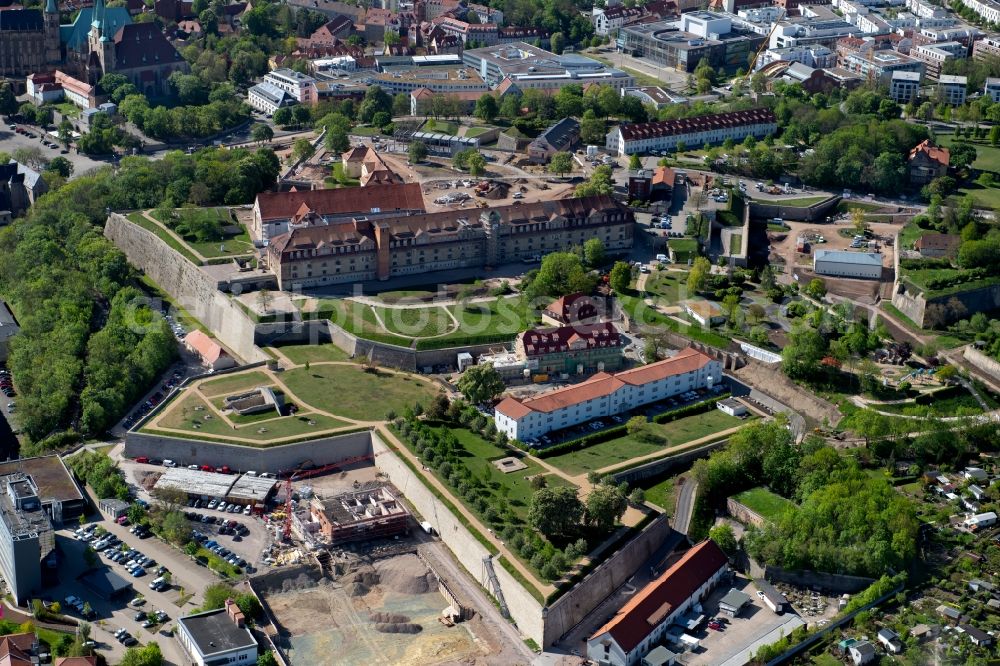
11,141
685,505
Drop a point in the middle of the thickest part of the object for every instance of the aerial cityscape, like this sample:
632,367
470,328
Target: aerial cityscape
557,333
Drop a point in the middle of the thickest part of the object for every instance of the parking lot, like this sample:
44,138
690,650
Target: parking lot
741,636
11,141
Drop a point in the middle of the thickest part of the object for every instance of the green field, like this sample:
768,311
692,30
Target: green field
416,322
909,234
957,405
473,132
504,316
361,130
478,460
987,156
231,245
261,428
235,382
357,318
340,178
441,127
661,494
626,448
349,391
761,500
313,353
801,202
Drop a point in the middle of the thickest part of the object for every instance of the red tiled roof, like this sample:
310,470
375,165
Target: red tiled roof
555,340
601,384
658,599
571,308
664,176
936,153
208,349
15,649
658,129
76,661
276,205
938,242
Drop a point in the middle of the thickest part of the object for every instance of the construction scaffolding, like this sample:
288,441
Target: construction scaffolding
361,515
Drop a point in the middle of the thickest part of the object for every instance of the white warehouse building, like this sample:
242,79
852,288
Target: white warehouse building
606,394
841,263
218,637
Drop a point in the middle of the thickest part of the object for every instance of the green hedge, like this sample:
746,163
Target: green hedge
462,341
621,431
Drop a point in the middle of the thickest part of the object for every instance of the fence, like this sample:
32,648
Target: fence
759,354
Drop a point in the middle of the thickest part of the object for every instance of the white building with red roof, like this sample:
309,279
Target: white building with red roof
606,394
211,353
641,623
716,128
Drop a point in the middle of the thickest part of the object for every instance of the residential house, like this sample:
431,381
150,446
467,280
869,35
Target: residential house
576,308
365,164
951,89
34,184
607,20
927,162
211,353
938,245
560,137
642,622
331,32
977,492
980,520
904,87
571,350
19,650
977,474
15,198
992,89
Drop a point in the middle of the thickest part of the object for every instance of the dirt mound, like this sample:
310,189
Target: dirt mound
383,618
398,628
358,590
406,575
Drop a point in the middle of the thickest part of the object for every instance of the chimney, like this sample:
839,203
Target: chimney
235,614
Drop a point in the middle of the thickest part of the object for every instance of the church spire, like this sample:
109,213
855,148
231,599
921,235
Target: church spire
98,14
51,7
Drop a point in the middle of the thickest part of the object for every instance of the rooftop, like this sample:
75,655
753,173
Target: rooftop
214,631
253,488
342,201
196,482
846,257
636,131
953,79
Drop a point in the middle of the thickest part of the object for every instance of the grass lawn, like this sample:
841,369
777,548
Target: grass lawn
313,353
231,245
684,248
161,233
662,495
341,178
234,383
985,197
909,234
769,505
848,205
473,132
441,127
957,405
357,318
801,202
626,448
478,460
360,130
667,285
987,157
349,391
507,316
416,322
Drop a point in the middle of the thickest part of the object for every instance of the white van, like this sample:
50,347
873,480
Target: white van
251,473
169,463
156,582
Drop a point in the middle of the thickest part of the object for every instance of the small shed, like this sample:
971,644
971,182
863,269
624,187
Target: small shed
731,406
733,602
773,599
113,508
659,656
107,584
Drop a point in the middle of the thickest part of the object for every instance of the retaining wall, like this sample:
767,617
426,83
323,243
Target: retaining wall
666,464
812,213
836,583
743,513
192,289
988,365
324,451
570,609
929,313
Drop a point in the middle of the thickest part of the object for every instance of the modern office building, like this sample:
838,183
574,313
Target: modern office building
26,535
878,66
697,36
606,394
634,138
992,89
528,66
841,263
935,55
217,637
988,9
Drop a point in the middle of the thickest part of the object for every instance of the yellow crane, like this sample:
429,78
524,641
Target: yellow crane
767,40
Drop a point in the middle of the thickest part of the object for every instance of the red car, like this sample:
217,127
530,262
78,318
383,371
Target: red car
224,470
715,625
142,459
207,468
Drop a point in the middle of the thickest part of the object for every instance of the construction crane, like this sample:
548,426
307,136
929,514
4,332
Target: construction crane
767,41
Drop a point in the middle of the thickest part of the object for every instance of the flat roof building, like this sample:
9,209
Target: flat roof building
26,535
904,87
529,66
359,516
841,263
683,44
217,637
251,490
197,484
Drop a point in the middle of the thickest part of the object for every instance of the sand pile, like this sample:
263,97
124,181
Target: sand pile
398,628
406,574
